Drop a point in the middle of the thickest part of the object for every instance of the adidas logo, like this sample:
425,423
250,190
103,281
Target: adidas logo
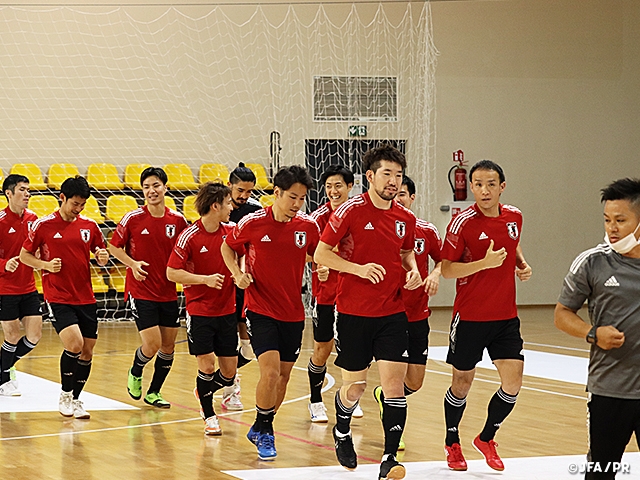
612,282
144,232
12,230
57,235
265,239
426,352
203,249
368,226
405,354
483,236
396,428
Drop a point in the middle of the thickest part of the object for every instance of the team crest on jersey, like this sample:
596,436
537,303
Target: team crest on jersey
512,228
170,230
401,228
301,239
419,246
29,225
85,234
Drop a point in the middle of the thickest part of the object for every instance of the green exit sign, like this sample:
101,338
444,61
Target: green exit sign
357,130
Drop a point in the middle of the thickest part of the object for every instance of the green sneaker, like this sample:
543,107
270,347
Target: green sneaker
401,446
155,399
134,386
379,396
12,373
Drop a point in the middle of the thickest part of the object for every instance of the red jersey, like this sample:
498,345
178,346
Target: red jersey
367,234
149,239
71,242
13,232
324,292
275,257
198,251
427,244
489,294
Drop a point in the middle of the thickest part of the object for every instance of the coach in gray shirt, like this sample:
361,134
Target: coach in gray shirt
608,277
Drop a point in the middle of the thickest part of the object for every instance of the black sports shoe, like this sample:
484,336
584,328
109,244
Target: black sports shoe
390,469
344,451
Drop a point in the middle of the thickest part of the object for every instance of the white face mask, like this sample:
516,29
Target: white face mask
626,244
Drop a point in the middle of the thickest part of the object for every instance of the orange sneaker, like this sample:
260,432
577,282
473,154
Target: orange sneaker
488,450
455,459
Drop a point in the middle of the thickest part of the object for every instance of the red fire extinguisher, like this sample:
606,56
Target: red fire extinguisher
459,185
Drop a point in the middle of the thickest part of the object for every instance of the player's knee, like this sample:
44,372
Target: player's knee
354,390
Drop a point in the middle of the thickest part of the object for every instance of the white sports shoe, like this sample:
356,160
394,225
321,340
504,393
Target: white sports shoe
358,413
79,411
318,412
212,426
9,389
231,400
65,404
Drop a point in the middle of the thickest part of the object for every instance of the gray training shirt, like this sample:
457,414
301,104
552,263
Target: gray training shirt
611,284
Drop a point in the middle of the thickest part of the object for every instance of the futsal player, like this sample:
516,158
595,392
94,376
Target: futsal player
66,239
143,241
278,241
196,262
482,251
376,260
19,299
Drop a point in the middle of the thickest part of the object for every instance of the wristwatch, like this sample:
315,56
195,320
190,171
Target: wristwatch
591,336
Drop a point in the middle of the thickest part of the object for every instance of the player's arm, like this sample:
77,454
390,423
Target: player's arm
29,259
178,275
570,322
136,267
231,260
523,270
432,282
414,280
492,259
325,255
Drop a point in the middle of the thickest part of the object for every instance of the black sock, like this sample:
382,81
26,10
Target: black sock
204,384
68,367
81,376
394,417
343,415
499,408
316,380
408,391
23,348
7,355
161,369
139,361
242,361
220,381
264,419
453,410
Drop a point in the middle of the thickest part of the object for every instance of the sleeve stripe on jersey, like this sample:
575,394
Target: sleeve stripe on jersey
88,219
319,212
342,209
307,218
511,208
177,214
580,259
428,226
186,234
129,215
2,214
252,216
41,220
460,220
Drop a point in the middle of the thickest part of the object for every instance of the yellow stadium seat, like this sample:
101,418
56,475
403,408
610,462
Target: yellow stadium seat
38,279
32,172
103,176
118,205
213,172
189,209
267,200
169,202
92,210
59,172
43,205
116,278
3,202
180,177
262,180
97,281
132,175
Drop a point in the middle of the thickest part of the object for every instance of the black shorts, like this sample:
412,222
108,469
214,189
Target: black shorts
240,305
467,341
611,422
14,307
149,314
85,316
418,342
267,334
217,335
361,339
324,320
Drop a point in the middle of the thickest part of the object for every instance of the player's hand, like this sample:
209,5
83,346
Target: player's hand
214,281
494,258
609,337
323,273
12,264
431,283
139,273
372,272
53,266
243,281
414,280
523,272
102,256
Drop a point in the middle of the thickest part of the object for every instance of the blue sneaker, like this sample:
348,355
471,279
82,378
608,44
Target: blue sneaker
253,435
266,447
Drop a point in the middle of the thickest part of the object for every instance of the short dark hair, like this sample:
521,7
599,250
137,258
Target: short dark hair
623,189
411,186
288,176
11,181
242,173
373,157
331,170
75,187
153,172
488,165
210,193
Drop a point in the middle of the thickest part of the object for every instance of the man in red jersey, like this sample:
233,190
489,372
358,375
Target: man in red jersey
416,302
482,251
66,240
376,261
19,299
338,182
143,241
197,263
278,241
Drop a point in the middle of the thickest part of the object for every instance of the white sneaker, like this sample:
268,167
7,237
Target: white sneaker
79,411
358,413
9,389
212,426
231,398
65,404
318,412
